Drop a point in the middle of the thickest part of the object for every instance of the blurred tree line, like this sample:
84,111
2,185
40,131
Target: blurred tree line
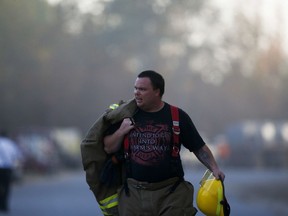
60,66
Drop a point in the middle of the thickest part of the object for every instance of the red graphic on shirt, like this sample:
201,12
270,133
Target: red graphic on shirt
150,144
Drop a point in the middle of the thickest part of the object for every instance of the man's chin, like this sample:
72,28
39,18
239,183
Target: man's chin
139,104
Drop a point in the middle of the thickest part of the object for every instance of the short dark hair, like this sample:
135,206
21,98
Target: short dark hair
156,79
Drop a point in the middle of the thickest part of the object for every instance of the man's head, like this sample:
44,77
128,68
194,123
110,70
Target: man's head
156,79
149,89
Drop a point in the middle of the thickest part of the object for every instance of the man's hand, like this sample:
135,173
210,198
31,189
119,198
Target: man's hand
218,174
126,126
112,143
206,157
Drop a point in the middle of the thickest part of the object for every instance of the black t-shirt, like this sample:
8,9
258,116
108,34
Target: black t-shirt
151,141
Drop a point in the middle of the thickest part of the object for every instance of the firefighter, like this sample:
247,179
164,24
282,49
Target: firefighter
155,182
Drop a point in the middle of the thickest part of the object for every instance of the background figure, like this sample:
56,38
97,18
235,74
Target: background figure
10,156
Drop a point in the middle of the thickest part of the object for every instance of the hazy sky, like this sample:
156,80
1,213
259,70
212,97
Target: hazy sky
272,12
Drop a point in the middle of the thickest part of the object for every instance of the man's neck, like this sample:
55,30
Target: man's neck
156,107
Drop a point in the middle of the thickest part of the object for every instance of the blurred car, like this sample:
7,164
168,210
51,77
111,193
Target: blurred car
49,150
254,144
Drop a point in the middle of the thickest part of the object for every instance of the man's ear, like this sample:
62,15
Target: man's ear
157,92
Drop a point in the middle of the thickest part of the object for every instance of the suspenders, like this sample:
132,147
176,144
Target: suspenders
176,131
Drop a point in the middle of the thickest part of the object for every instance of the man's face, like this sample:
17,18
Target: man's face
146,97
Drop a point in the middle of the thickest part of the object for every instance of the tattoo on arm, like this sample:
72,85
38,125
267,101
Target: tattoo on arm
205,158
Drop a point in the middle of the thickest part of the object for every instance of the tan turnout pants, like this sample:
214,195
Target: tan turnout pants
155,199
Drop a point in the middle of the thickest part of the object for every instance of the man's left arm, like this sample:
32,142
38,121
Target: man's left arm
206,157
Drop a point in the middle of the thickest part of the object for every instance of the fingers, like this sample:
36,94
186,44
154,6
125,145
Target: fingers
132,121
128,121
219,175
126,125
222,176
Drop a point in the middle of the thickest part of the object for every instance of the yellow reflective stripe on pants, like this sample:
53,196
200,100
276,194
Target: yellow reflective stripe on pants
108,203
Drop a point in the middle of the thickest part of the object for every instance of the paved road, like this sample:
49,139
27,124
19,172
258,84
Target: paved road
65,194
250,192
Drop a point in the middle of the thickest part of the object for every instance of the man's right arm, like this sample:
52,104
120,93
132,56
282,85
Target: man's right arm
112,143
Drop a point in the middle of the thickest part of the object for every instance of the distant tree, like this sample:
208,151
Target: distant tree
62,64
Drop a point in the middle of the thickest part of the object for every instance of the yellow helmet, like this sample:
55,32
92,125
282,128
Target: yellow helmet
211,198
